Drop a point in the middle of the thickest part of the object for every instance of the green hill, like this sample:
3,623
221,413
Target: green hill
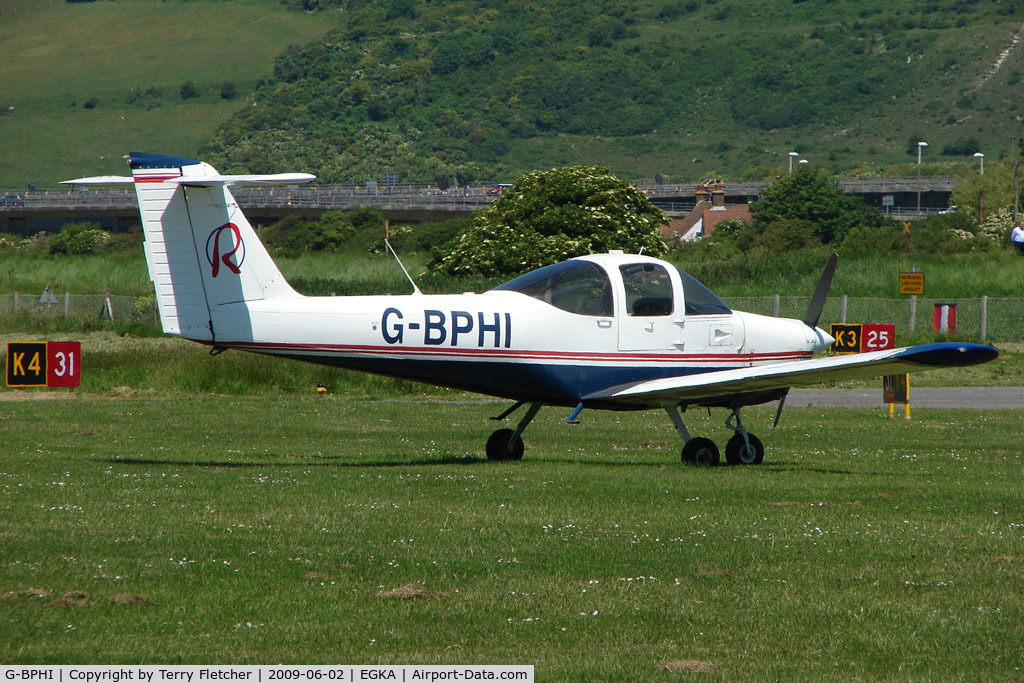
82,84
488,89
678,88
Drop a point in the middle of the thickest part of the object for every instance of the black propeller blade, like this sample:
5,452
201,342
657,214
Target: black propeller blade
821,293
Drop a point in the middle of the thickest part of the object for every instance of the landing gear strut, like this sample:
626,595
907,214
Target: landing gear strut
742,449
507,444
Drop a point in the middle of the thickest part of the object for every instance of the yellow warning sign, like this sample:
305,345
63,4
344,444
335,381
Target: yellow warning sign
912,283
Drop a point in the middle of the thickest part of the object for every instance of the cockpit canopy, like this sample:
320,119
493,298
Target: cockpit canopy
585,288
575,286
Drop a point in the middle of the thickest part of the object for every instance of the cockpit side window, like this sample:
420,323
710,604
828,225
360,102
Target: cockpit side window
648,289
578,287
699,299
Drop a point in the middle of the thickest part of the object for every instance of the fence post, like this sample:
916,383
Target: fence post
775,305
15,309
67,304
913,310
984,317
842,310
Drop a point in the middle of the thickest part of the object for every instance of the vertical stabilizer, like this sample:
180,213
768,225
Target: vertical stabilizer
201,251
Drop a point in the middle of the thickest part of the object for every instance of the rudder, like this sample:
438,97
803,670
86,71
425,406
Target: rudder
201,251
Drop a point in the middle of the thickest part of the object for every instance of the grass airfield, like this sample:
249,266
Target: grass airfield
339,530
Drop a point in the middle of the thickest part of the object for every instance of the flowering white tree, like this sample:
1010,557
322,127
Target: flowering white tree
549,216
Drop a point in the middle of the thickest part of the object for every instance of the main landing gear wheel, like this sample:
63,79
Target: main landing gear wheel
505,444
701,452
737,453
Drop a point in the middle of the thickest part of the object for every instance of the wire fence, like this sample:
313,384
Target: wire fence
984,318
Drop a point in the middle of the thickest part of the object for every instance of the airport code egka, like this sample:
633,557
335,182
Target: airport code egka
258,674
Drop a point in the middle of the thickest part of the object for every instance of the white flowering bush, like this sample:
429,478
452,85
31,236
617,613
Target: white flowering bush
549,216
997,226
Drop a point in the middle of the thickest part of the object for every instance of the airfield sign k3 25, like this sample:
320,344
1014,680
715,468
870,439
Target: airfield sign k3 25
44,364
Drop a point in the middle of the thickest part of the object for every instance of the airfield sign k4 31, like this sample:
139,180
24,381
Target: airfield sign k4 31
44,364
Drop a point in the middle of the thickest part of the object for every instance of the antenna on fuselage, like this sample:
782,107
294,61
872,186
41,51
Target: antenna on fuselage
387,243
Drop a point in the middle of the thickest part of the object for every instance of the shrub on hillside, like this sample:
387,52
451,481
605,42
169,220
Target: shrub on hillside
188,90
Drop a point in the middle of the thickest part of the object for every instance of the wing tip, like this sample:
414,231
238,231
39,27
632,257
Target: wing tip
950,354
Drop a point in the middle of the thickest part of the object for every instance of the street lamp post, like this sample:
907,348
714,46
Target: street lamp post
920,144
981,189
791,155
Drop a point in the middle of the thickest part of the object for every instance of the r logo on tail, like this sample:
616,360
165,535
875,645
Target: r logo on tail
234,243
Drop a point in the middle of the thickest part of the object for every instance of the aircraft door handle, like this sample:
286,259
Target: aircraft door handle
650,327
604,324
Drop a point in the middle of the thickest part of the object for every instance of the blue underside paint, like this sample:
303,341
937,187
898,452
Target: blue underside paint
559,385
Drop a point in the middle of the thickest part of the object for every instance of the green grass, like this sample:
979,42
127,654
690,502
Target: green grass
55,54
259,531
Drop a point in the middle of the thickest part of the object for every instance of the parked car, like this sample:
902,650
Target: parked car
12,200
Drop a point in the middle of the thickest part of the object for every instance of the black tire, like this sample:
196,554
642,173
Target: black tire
501,446
737,453
701,452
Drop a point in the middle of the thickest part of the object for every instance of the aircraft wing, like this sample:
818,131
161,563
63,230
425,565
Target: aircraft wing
720,386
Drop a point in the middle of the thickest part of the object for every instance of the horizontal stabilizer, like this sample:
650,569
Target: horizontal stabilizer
202,181
101,180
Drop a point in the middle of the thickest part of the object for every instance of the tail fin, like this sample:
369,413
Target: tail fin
201,251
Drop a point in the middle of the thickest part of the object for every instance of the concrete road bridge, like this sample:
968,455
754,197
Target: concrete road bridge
25,212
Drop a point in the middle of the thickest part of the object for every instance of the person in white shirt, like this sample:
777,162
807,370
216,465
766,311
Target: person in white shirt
1017,237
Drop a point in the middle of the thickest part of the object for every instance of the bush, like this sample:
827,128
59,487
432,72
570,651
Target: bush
289,236
787,234
809,195
123,242
359,230
550,216
869,240
78,238
188,90
736,233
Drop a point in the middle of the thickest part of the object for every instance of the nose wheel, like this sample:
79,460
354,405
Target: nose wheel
507,444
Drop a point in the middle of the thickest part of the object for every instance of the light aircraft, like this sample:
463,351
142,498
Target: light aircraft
607,331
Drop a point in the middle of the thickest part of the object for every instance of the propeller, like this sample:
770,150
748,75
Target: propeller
813,314
821,292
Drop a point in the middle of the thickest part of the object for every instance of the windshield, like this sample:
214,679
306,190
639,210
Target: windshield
699,299
575,286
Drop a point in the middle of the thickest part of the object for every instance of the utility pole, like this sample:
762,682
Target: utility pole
1016,175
